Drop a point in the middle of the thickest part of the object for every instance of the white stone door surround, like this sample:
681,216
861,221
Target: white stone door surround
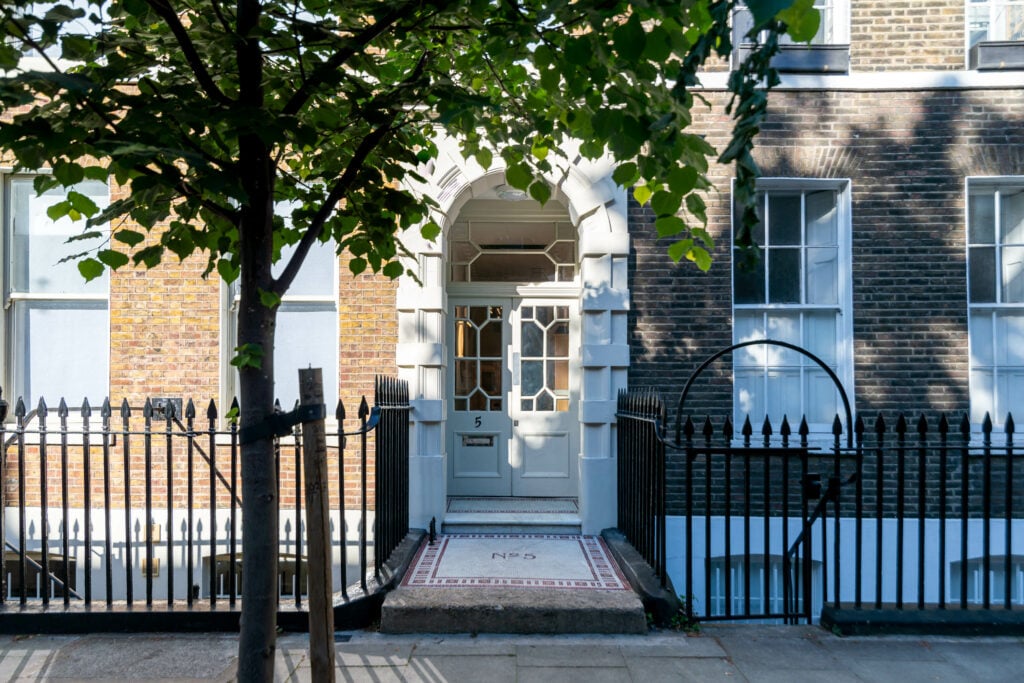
597,207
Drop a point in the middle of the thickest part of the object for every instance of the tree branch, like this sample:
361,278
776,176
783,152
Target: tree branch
188,49
352,45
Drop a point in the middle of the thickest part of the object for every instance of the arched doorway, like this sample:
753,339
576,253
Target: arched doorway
596,303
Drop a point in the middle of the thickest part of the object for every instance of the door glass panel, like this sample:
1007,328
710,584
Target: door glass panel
478,353
544,367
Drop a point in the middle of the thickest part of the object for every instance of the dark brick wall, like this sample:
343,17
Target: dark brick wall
907,155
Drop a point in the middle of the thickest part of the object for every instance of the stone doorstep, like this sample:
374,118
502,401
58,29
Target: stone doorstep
512,610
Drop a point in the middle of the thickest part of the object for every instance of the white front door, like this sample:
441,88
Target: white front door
513,397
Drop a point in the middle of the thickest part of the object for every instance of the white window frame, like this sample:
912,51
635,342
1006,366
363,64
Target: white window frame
835,23
997,412
230,298
844,308
10,365
997,10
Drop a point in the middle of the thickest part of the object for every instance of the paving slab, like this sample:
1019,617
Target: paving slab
661,669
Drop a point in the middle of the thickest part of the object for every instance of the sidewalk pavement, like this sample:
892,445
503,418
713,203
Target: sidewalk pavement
788,654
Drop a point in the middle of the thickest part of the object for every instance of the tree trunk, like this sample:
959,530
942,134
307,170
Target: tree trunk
257,635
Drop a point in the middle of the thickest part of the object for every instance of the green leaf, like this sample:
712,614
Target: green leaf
68,174
539,149
59,210
357,265
540,191
112,259
682,180
227,271
129,237
658,46
150,256
430,231
701,257
764,10
642,193
393,270
801,19
90,268
669,225
519,176
625,174
484,157
678,250
269,299
82,203
666,203
248,356
630,39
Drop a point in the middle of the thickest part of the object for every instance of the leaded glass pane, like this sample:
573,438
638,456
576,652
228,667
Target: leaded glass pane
490,339
465,339
545,402
558,339
465,377
532,340
532,376
558,375
490,377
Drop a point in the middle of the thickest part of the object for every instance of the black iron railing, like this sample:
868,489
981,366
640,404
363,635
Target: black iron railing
916,514
110,508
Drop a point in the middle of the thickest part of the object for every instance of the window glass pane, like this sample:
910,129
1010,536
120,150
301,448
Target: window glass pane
490,377
1010,338
821,337
981,274
982,218
495,235
317,275
823,275
504,267
1013,275
982,396
1011,216
783,397
533,340
1010,398
784,216
490,339
558,339
40,243
821,400
307,336
558,376
52,366
747,327
822,218
749,282
783,276
465,339
784,327
545,403
982,353
532,377
465,377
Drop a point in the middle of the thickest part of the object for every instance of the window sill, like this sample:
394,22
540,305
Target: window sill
997,56
811,59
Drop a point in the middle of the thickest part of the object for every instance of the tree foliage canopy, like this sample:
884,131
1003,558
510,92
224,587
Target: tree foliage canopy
345,99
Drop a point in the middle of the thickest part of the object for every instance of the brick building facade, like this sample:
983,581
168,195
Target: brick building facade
881,141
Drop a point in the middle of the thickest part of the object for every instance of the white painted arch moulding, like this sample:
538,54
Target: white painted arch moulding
597,208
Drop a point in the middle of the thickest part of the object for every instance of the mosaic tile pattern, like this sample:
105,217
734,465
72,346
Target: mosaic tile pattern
516,561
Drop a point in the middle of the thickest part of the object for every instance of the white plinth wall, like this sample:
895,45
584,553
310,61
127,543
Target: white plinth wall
597,207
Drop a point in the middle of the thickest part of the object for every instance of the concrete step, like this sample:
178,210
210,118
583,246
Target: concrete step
511,610
510,523
508,515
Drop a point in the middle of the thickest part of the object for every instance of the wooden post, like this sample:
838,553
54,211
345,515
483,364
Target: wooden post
318,541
